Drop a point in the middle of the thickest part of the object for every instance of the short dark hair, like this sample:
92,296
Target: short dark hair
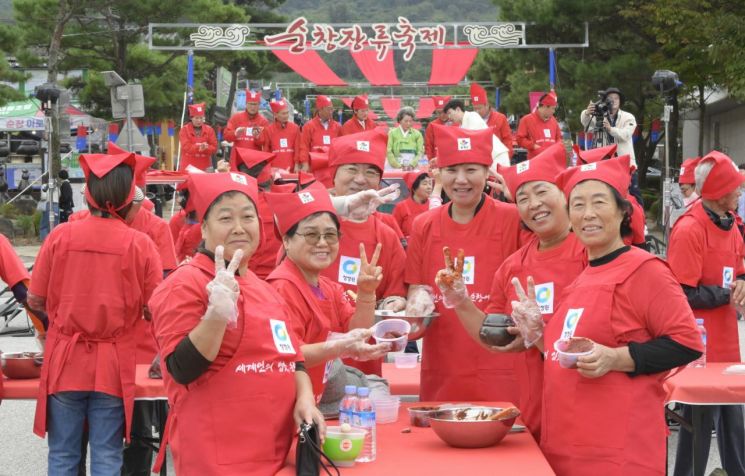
253,171
454,104
418,182
741,167
627,209
228,194
293,229
114,187
63,174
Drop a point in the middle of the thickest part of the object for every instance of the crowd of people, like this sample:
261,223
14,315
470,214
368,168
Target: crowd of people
259,283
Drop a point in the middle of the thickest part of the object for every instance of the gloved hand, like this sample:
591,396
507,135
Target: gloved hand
393,303
223,291
526,313
360,205
354,344
450,280
371,274
420,302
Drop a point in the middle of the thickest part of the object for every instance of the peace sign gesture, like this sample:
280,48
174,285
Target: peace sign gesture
526,313
223,290
370,273
450,280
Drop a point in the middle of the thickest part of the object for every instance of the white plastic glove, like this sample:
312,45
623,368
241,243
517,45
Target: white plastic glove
223,291
450,280
393,303
526,313
421,302
361,205
353,344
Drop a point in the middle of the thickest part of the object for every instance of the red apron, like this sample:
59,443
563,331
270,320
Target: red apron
72,332
325,316
188,240
239,420
721,263
454,366
610,426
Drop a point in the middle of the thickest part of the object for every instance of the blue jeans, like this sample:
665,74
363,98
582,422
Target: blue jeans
67,413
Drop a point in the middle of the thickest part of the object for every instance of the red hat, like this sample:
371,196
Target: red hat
197,110
360,102
291,208
143,163
440,101
322,101
549,99
253,97
283,187
614,172
411,177
723,178
687,169
544,167
252,157
367,147
304,179
456,145
595,155
478,95
205,188
277,106
100,165
319,165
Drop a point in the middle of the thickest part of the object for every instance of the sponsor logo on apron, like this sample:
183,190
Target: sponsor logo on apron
464,143
349,269
469,269
281,337
547,133
306,197
523,166
238,178
326,140
728,276
544,295
570,322
283,142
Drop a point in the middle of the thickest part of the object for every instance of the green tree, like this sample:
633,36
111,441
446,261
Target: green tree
9,44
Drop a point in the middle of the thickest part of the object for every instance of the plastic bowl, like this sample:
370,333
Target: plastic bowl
418,323
419,416
386,411
397,326
405,361
22,365
568,359
470,427
343,447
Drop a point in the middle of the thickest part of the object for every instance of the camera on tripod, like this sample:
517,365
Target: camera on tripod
602,107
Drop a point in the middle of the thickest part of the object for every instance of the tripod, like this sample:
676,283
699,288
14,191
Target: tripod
599,135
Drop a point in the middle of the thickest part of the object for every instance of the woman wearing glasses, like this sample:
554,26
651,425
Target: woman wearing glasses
317,305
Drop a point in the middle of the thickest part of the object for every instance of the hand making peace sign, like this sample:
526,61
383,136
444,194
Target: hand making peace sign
450,280
370,273
223,290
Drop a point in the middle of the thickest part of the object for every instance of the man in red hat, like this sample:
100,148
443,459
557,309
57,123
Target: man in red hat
440,117
198,140
706,254
281,137
539,129
317,133
359,122
245,127
494,119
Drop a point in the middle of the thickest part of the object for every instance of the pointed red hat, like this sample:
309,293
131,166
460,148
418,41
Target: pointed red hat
197,110
723,178
549,99
277,106
478,95
456,145
687,171
544,167
440,101
100,165
323,101
614,172
411,177
205,188
360,102
143,163
253,157
595,155
367,147
253,97
291,208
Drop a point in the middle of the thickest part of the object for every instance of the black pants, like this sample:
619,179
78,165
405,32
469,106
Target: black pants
728,422
138,456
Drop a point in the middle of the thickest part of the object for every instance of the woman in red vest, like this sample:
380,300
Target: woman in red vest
93,277
606,416
309,228
234,373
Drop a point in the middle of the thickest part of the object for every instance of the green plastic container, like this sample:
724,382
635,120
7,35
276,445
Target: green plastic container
343,448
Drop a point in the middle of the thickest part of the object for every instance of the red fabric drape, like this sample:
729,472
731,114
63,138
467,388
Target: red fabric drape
391,106
310,66
450,66
378,73
426,107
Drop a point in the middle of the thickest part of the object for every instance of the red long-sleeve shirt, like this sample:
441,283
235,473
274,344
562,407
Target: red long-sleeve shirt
353,126
282,140
534,131
190,141
315,135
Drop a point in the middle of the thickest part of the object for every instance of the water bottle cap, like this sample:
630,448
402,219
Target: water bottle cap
363,391
350,389
699,321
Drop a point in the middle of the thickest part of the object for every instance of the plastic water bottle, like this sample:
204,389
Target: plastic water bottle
701,361
347,405
364,418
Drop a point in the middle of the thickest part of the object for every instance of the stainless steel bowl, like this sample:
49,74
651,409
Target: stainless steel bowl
419,416
22,365
470,427
418,323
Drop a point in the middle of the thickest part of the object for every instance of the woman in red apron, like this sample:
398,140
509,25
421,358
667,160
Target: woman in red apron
93,277
606,416
454,367
420,187
706,254
318,305
227,344
553,256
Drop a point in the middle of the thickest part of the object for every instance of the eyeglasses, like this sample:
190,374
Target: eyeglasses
369,173
313,237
